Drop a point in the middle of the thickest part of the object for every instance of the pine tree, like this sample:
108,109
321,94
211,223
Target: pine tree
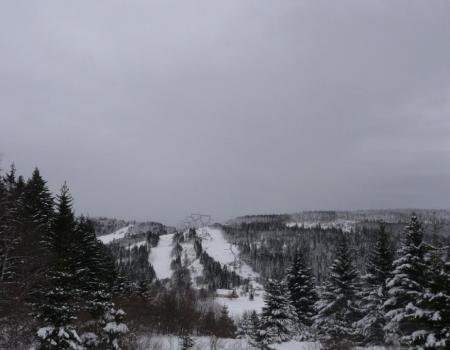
57,310
379,269
254,324
278,320
93,263
244,326
225,325
114,328
59,302
186,342
302,290
432,315
35,215
407,285
11,190
338,305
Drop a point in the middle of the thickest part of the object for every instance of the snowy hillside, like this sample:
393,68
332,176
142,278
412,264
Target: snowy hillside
227,254
116,235
214,244
160,257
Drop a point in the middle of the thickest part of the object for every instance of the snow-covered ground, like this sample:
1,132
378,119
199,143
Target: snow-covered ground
345,225
119,234
160,257
200,343
295,345
203,343
226,253
217,247
137,244
189,258
237,306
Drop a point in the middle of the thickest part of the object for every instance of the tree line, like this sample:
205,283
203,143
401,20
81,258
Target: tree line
402,300
53,267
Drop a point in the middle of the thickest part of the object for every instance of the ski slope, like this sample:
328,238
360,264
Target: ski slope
119,234
217,247
160,257
227,254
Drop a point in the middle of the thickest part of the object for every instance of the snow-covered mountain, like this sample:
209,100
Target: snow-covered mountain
437,220
214,244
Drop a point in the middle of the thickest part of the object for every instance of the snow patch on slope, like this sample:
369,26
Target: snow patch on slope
117,235
217,247
190,260
344,225
160,257
137,244
237,306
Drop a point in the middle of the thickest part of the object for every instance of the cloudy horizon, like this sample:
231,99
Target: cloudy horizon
155,110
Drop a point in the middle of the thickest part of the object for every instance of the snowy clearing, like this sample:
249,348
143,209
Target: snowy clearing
224,252
237,306
159,342
160,257
217,247
119,234
137,244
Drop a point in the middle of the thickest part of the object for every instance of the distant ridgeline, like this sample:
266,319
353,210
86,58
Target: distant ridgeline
268,242
436,220
104,225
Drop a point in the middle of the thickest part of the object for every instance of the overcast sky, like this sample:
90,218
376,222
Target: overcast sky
155,110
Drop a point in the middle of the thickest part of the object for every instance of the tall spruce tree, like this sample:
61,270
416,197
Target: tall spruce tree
11,190
432,313
35,215
186,342
407,286
302,290
278,319
338,308
60,295
225,325
374,295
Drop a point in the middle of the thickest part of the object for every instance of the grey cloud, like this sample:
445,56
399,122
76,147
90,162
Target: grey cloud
156,109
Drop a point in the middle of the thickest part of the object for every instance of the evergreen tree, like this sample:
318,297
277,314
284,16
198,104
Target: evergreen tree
432,315
407,285
278,320
225,325
379,269
11,190
92,258
114,328
35,215
248,326
58,304
61,239
186,342
338,305
244,326
302,290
